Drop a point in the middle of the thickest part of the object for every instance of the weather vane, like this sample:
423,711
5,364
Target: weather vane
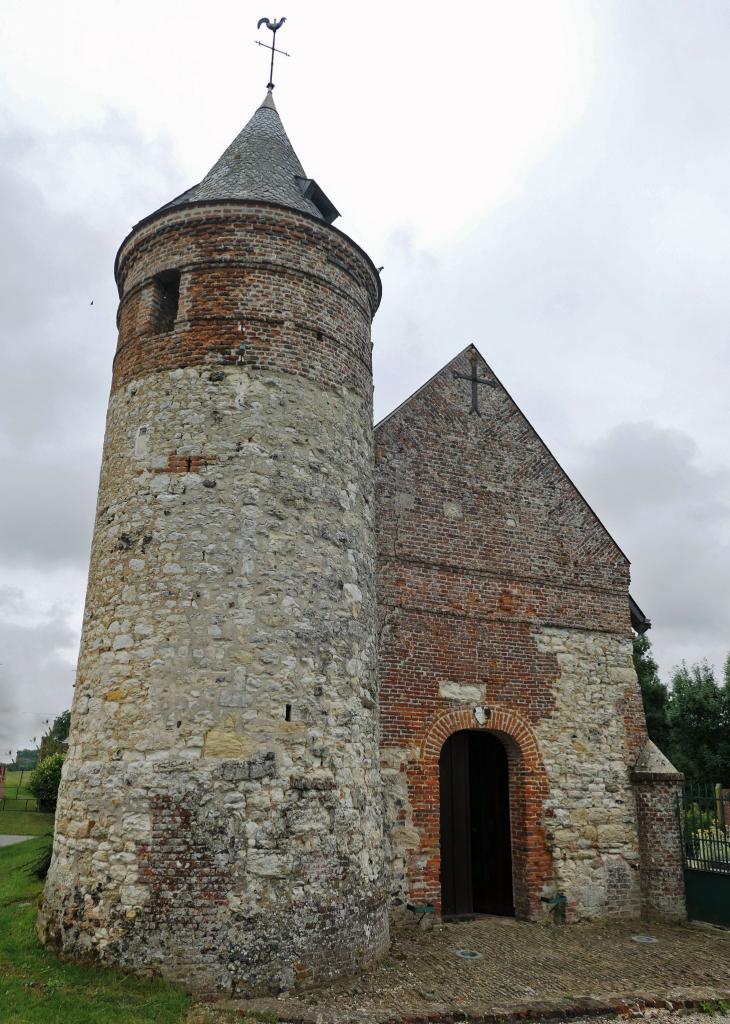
274,26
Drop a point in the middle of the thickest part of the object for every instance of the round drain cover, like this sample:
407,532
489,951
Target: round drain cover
468,954
643,938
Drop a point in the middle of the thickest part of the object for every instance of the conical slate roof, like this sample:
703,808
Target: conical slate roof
261,165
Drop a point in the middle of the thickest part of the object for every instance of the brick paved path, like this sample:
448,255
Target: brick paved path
557,969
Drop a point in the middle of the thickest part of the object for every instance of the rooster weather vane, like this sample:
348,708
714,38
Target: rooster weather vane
274,26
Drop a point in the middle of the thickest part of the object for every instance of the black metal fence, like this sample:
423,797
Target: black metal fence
705,819
11,803
16,796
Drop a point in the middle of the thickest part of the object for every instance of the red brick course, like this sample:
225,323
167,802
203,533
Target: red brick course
299,294
528,789
188,463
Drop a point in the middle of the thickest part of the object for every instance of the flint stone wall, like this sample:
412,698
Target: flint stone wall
219,817
587,748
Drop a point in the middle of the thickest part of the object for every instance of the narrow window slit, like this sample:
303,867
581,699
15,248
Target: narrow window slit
166,301
287,716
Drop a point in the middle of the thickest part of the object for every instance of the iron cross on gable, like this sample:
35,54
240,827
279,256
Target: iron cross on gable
274,26
475,381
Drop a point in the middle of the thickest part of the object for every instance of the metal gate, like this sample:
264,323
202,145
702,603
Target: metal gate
705,823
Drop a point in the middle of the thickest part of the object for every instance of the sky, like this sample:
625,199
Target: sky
548,180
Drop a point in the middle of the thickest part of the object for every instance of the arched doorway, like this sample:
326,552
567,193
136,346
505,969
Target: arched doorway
476,848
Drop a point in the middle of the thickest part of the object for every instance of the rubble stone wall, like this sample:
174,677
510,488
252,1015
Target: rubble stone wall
219,818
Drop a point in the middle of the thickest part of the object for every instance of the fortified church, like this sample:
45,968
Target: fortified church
329,670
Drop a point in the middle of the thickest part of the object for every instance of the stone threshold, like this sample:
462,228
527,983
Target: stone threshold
626,1006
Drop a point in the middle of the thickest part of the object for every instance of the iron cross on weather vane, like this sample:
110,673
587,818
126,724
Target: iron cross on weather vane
274,26
475,381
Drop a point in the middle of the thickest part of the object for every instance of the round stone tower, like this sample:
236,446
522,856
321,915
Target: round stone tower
219,817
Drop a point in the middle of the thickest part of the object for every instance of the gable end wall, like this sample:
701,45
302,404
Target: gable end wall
499,588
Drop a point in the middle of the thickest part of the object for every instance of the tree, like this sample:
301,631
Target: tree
62,726
654,694
689,720
45,780
56,735
699,722
26,759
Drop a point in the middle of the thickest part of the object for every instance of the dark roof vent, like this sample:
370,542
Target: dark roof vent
312,192
639,621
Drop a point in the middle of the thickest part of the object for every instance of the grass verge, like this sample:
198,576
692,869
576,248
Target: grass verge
38,988
16,784
25,823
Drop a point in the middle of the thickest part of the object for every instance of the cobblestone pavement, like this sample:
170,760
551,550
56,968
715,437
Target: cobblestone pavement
522,970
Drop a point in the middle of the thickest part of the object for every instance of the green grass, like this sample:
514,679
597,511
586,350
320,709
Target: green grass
16,786
13,785
13,803
25,823
17,797
15,778
38,988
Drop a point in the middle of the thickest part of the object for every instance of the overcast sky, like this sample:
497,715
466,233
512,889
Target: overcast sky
547,179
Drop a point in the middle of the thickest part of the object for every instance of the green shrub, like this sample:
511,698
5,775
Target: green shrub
45,780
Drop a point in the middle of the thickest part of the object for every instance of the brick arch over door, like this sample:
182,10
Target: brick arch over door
531,860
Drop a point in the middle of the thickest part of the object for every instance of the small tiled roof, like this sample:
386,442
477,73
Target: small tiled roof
261,165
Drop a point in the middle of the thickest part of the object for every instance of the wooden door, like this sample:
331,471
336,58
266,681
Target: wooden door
456,894
491,846
476,848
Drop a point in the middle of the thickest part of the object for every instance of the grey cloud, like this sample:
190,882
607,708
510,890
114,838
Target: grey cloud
671,517
36,675
47,512
601,291
56,347
60,233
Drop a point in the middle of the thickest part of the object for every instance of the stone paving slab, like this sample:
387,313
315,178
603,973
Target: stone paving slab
524,971
11,840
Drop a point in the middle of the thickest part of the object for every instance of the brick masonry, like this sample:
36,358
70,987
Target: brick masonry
499,588
662,872
300,295
219,817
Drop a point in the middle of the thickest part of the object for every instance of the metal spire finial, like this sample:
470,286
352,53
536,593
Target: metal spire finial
274,26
